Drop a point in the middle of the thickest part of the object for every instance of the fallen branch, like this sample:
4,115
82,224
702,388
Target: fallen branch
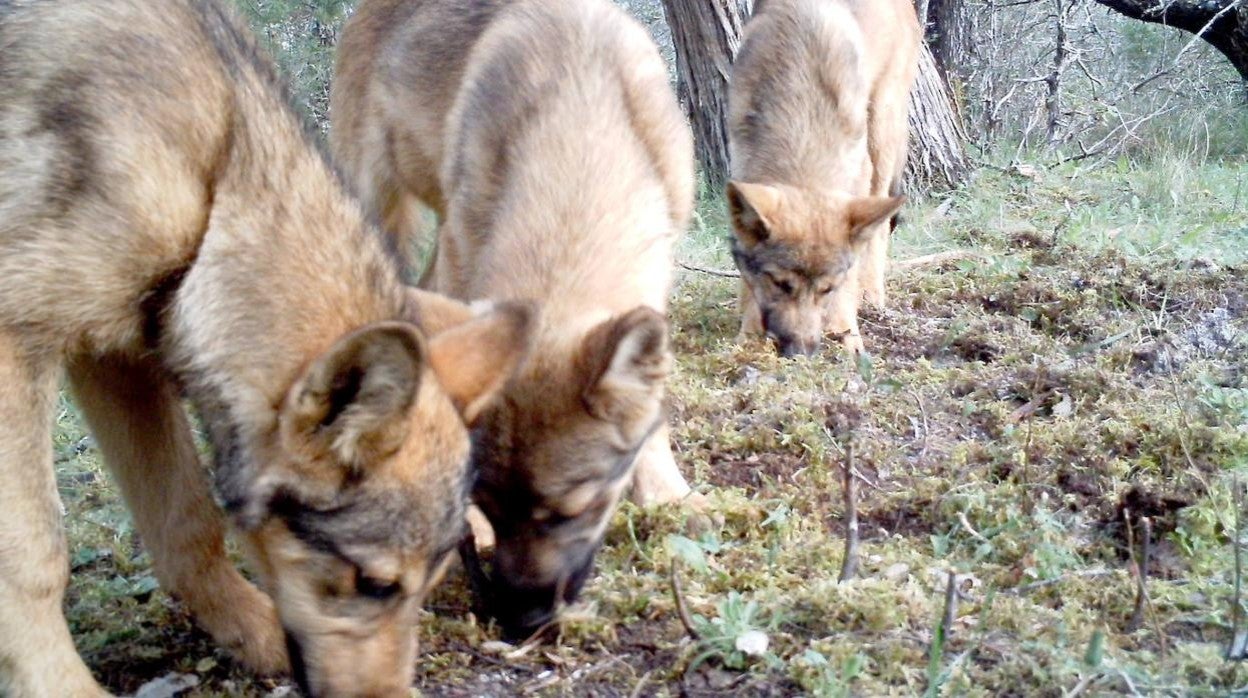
707,270
937,258
849,487
1239,638
1139,569
478,580
1143,603
682,611
951,604
1026,588
927,260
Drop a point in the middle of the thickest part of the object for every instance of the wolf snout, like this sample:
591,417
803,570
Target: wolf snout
790,347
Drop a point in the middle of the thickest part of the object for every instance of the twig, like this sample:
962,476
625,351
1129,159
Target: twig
1187,428
923,414
1200,34
1083,684
849,486
937,258
712,272
1026,588
641,683
478,580
951,604
682,611
1143,602
1030,407
969,529
1139,569
1239,638
927,260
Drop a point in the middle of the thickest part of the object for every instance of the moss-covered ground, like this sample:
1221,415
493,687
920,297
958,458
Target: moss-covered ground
1022,413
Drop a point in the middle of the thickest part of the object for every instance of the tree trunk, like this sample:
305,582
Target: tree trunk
944,32
1222,23
706,35
937,156
1053,82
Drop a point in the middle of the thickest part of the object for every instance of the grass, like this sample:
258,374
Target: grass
1016,413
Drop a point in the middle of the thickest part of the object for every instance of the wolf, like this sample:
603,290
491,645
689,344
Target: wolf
817,144
168,230
545,136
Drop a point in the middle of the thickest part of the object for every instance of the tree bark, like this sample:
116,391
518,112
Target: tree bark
937,157
706,35
1222,23
944,32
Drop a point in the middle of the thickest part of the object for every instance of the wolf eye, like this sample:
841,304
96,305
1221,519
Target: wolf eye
824,290
375,588
781,285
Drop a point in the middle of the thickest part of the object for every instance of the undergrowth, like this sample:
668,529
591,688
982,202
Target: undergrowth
1019,410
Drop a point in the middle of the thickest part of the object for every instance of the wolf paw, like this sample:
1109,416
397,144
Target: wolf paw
243,620
874,294
852,342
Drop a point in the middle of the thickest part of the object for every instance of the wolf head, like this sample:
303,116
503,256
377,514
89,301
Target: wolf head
795,248
363,495
555,454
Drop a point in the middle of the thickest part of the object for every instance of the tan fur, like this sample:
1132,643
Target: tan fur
544,134
817,133
166,229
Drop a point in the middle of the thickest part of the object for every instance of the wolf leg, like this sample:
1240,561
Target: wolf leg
37,655
751,316
840,314
887,136
874,262
142,430
656,478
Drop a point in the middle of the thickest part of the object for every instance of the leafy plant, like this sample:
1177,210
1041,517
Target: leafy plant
737,633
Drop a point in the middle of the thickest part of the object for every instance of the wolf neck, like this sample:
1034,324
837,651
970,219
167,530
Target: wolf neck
286,266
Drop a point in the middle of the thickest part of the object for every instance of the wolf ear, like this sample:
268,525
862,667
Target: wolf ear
627,360
864,212
474,359
753,208
352,402
434,312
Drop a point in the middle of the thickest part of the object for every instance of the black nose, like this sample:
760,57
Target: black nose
790,347
298,669
524,610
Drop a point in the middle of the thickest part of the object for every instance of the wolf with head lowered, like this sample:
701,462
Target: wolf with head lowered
817,139
545,136
168,230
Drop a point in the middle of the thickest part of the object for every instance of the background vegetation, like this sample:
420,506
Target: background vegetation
1023,413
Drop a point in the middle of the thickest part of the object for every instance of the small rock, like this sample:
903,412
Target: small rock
897,571
752,642
167,686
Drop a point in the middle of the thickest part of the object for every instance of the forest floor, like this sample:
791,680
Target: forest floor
1020,412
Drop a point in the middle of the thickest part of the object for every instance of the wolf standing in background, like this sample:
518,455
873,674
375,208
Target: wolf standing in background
817,138
166,227
545,135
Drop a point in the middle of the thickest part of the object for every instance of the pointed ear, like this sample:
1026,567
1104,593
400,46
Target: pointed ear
753,208
351,404
864,212
627,360
475,359
434,313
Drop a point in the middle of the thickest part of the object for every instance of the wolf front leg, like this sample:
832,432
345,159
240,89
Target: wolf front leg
840,313
751,316
142,431
656,477
37,655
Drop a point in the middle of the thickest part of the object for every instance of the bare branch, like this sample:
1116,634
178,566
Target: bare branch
849,485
